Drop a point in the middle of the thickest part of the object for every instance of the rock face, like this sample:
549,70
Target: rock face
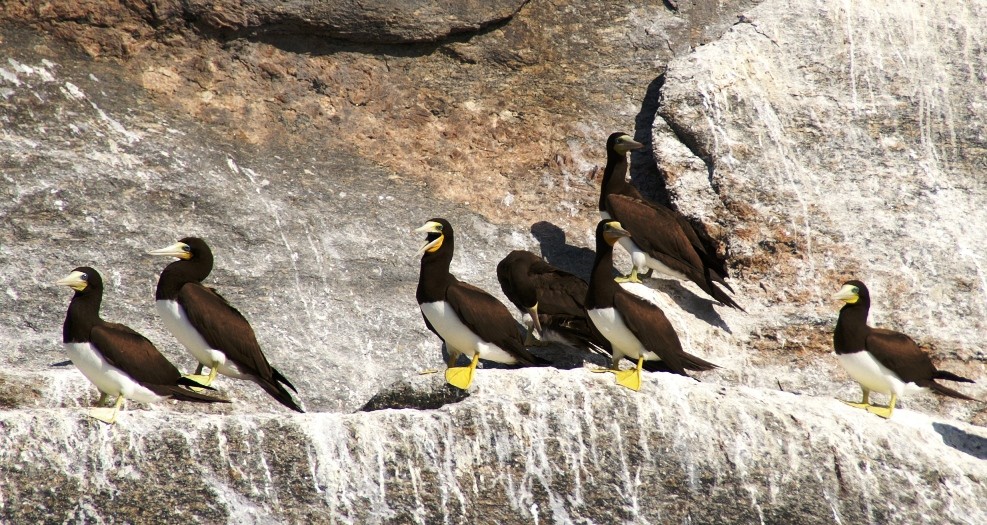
678,451
812,142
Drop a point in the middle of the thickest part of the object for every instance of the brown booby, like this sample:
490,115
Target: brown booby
882,360
634,326
119,361
469,320
661,239
214,332
552,298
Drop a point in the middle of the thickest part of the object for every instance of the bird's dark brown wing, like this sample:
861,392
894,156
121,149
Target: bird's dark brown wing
488,318
134,354
224,328
648,323
559,292
900,354
659,234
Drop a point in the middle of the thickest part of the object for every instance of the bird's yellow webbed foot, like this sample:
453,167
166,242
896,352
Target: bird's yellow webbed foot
107,415
462,376
629,278
630,378
865,400
884,412
204,380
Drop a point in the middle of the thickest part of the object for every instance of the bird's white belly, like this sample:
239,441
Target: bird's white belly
641,260
459,337
624,342
874,376
174,318
107,378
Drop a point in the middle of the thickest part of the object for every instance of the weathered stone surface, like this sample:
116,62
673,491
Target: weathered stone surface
377,21
373,21
306,163
679,451
821,142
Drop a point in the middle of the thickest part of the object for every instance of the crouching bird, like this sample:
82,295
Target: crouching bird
551,298
882,360
119,361
214,332
469,320
634,326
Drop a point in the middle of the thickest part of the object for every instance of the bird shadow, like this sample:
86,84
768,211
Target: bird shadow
61,363
696,305
554,249
962,440
644,171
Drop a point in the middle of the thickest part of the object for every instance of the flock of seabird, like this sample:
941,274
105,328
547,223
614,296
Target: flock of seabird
601,315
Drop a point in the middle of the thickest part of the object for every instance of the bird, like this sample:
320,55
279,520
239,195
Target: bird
212,330
661,239
882,360
550,297
119,361
469,320
634,326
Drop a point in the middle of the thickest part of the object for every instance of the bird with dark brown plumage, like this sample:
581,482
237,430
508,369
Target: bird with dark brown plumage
882,360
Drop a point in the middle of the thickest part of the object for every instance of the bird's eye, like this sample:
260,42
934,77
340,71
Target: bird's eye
856,290
186,248
438,227
84,277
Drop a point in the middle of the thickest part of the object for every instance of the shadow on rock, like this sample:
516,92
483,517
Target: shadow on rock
419,392
644,170
962,440
573,259
698,306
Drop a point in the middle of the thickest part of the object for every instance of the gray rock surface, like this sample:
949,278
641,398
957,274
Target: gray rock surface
377,21
306,165
824,142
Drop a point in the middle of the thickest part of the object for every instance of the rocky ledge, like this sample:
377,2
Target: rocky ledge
526,446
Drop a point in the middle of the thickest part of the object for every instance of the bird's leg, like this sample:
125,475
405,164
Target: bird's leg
614,365
103,396
629,278
462,376
198,369
106,414
204,380
865,401
884,412
631,378
451,362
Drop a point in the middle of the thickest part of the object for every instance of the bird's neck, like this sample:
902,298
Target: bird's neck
851,328
82,316
434,276
614,175
602,287
178,273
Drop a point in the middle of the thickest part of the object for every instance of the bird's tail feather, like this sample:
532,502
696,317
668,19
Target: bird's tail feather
949,376
278,392
944,390
184,394
691,362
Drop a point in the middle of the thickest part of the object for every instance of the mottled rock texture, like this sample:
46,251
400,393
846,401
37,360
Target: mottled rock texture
811,141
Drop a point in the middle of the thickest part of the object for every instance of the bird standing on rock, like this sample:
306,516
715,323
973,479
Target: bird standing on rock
552,298
469,320
882,360
634,326
214,332
119,361
660,239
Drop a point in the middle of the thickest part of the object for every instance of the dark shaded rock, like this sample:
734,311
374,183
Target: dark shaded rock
422,392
